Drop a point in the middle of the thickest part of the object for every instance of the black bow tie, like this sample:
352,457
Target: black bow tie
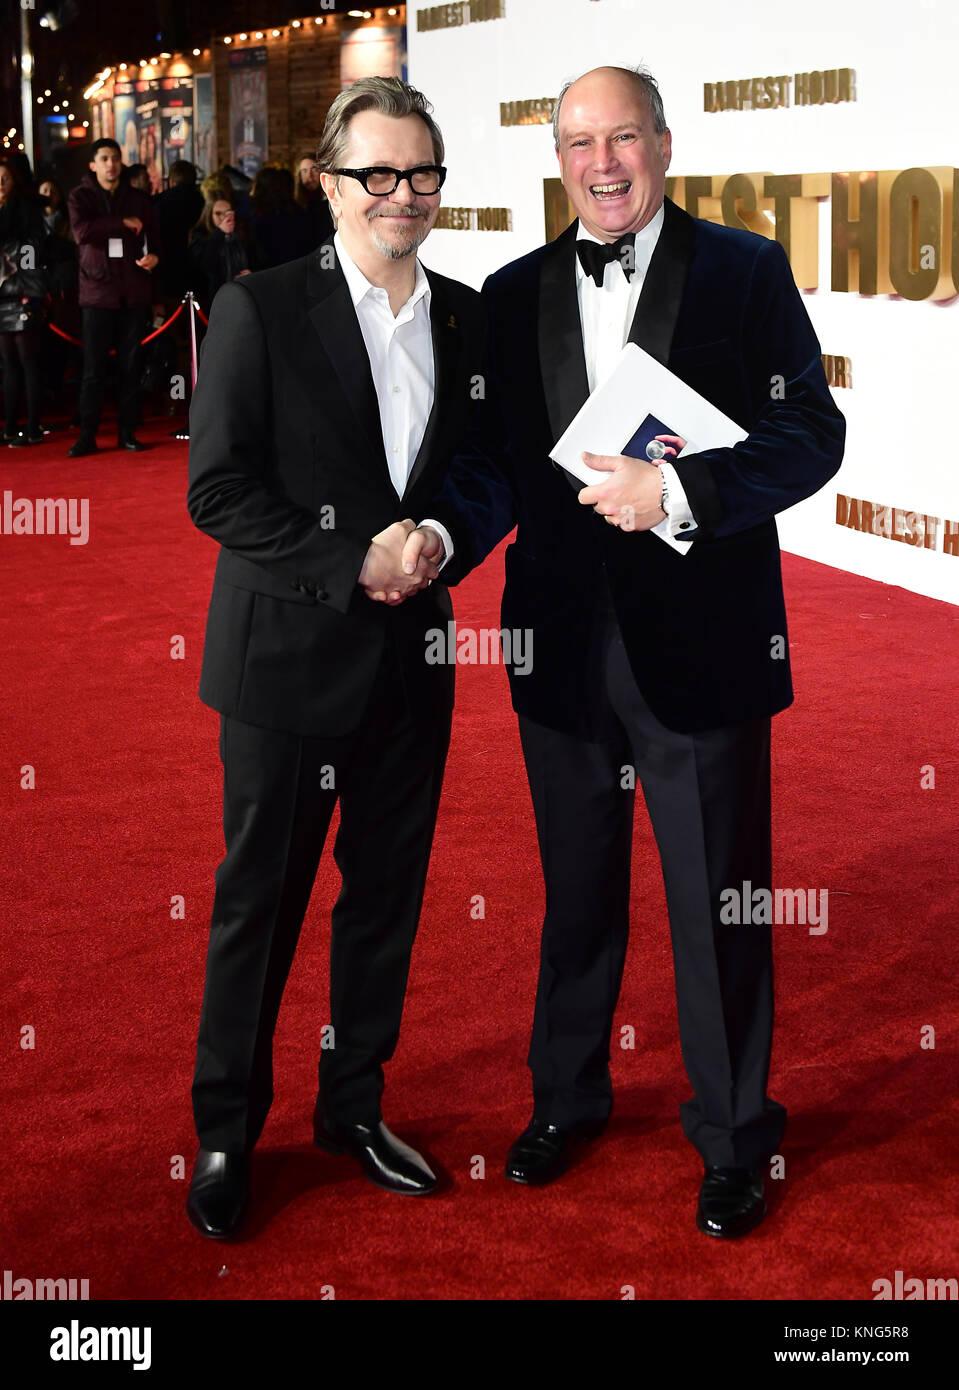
595,256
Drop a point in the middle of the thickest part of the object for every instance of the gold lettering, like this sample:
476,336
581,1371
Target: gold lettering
838,371
953,205
697,188
855,233
740,198
795,202
915,227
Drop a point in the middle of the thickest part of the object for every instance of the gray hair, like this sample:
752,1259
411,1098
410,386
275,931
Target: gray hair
387,95
646,84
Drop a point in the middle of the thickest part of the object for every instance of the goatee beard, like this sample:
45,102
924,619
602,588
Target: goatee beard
398,251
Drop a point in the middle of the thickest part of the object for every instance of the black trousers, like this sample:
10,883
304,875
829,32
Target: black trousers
103,329
21,369
709,804
279,793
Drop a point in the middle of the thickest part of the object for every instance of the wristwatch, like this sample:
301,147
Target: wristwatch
664,499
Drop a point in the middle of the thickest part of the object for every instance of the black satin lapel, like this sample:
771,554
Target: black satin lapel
658,309
334,319
561,357
445,332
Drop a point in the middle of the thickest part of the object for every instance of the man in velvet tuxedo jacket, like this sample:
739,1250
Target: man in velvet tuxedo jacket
645,658
331,395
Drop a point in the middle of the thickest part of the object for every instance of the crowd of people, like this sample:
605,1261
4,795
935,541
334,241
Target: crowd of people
108,260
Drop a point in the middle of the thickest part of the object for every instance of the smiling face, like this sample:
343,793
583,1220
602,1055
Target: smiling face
395,225
612,162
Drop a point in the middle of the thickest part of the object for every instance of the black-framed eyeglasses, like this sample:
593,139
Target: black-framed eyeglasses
379,179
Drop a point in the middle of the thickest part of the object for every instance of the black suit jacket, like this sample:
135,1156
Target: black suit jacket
705,631
288,472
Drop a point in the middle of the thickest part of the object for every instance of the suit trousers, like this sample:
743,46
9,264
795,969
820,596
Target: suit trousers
102,330
708,798
279,793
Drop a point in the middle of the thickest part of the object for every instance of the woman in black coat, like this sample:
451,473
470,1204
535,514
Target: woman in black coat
221,248
24,297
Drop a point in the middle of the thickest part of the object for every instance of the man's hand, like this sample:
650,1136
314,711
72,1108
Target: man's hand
383,575
148,262
134,224
423,545
631,497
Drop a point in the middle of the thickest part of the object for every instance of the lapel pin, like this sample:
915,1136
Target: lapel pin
451,323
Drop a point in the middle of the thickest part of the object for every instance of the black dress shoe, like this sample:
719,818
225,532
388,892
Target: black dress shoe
385,1160
130,441
218,1193
543,1151
81,447
731,1201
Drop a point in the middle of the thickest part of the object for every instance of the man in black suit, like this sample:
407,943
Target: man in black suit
645,658
332,392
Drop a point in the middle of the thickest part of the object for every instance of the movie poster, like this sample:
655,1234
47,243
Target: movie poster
148,130
248,129
125,119
176,120
204,146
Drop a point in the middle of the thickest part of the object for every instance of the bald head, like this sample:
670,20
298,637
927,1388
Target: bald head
613,148
642,82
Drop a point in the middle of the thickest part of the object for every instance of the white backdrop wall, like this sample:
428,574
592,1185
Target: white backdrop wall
902,409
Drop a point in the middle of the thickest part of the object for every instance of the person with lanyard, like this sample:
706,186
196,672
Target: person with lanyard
118,240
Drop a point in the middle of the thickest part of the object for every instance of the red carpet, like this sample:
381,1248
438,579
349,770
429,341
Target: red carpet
125,816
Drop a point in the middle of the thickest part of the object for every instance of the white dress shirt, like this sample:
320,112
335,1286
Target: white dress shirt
400,349
606,313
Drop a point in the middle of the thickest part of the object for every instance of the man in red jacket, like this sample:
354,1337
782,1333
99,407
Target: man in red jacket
116,231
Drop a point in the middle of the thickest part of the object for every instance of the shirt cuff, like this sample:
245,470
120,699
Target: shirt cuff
682,523
447,539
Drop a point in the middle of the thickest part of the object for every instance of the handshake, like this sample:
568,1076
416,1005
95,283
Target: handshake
400,562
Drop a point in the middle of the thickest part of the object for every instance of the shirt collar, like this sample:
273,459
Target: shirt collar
647,237
359,287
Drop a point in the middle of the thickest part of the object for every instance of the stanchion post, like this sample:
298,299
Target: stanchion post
193,310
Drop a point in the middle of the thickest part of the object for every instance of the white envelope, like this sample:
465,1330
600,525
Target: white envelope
636,387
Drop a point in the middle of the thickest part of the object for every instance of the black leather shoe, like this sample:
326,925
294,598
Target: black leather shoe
81,447
385,1160
731,1202
130,441
544,1151
219,1188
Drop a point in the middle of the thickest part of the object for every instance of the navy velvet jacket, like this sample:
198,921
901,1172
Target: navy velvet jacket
705,631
